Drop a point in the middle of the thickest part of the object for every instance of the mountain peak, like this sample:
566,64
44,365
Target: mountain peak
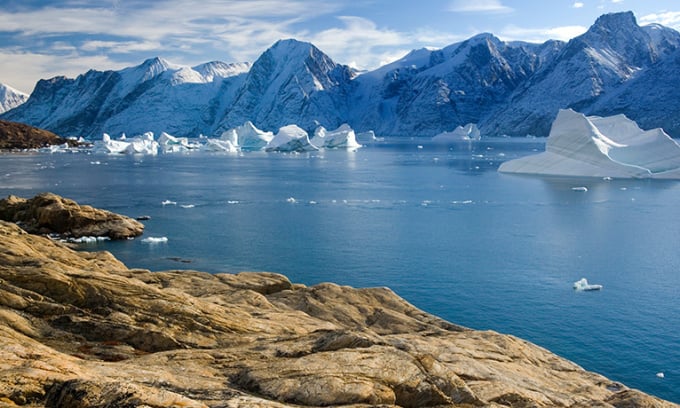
616,21
10,98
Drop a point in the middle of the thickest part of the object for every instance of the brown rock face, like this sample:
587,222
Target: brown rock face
49,213
79,329
20,136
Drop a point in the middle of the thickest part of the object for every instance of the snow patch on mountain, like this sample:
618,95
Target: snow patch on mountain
10,98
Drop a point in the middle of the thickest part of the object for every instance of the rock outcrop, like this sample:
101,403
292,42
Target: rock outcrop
49,213
20,136
80,329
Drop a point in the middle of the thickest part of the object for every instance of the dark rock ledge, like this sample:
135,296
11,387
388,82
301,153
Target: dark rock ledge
49,213
80,329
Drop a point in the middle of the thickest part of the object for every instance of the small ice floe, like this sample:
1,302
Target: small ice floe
88,240
583,285
143,218
188,205
607,178
660,375
155,240
291,200
168,202
420,146
233,202
580,188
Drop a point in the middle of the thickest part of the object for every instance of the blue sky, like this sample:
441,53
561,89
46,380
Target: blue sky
46,38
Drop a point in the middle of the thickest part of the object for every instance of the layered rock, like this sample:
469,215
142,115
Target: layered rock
80,329
49,213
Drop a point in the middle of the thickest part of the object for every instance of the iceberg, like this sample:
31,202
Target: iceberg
247,137
342,138
155,240
464,133
368,137
604,147
219,145
172,144
143,144
291,138
582,284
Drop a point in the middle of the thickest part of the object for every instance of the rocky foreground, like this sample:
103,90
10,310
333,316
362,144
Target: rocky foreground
80,329
48,213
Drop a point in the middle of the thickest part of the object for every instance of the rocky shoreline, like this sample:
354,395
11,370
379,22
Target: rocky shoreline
80,329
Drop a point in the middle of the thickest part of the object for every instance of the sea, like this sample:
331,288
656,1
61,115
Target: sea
435,223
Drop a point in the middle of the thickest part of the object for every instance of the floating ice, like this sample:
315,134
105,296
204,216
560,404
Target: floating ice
247,137
601,147
580,188
218,145
291,138
172,144
168,202
155,240
368,137
143,144
342,138
87,240
583,285
291,200
660,375
464,133
188,205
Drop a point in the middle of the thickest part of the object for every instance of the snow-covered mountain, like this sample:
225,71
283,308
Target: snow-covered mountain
511,88
153,96
292,82
10,98
587,73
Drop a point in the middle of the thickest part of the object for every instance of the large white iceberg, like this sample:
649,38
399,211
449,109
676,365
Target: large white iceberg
342,137
465,133
172,144
291,138
144,144
247,137
596,146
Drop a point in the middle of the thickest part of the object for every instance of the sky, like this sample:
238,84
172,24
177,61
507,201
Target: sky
41,39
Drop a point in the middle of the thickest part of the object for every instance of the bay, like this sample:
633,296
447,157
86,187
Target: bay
437,224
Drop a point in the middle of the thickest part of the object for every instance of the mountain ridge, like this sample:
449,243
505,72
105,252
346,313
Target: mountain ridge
508,88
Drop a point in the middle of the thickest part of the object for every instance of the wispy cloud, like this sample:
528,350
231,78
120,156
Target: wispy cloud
668,18
538,35
578,4
479,6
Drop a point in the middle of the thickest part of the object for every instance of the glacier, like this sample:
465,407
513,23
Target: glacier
604,147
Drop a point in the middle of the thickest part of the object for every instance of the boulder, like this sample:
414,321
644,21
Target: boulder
49,213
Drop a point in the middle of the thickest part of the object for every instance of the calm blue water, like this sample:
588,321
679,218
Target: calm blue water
438,225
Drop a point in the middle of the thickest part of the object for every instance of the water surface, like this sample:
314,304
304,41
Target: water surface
437,224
